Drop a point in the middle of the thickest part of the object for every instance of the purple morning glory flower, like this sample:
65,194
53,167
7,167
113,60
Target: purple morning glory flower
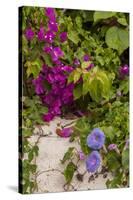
53,26
96,139
48,117
66,132
56,53
29,34
81,155
76,62
86,57
93,161
50,13
49,36
41,34
63,36
112,147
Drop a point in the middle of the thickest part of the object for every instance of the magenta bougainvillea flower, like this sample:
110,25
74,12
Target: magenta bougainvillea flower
76,62
38,83
86,57
93,161
56,53
48,49
29,34
96,139
41,34
90,67
53,26
123,71
50,13
67,68
49,36
66,132
60,92
63,36
48,117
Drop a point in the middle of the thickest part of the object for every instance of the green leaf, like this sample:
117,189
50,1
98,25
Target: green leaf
77,91
31,156
67,155
73,36
109,132
122,21
33,168
113,161
33,67
77,75
27,132
85,65
105,84
124,86
98,15
125,159
47,59
78,21
117,38
83,144
69,172
36,150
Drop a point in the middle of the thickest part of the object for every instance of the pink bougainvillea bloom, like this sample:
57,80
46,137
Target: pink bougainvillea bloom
48,117
123,71
38,83
66,132
49,36
50,13
86,57
29,34
90,67
41,34
63,36
76,62
53,26
56,53
67,68
48,49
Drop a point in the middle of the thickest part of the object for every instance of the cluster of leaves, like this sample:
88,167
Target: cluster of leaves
96,82
71,166
31,116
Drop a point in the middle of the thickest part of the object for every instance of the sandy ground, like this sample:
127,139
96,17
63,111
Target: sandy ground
51,151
